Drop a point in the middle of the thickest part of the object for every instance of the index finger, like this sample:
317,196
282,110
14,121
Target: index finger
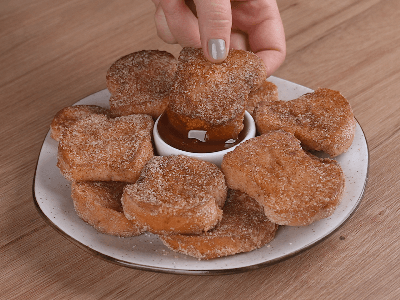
215,23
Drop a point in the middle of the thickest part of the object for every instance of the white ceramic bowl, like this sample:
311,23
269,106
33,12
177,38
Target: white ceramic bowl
165,149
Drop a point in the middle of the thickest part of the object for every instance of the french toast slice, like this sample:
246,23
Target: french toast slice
322,120
295,188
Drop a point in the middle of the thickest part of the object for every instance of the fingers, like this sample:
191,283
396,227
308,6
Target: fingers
257,26
162,27
210,30
270,47
215,23
272,59
175,19
264,28
239,40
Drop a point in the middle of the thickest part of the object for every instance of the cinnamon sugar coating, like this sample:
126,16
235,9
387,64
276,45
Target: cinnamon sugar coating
69,115
267,92
99,204
322,120
212,97
294,187
140,82
176,194
97,148
243,228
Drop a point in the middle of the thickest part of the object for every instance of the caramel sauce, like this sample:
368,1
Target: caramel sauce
196,140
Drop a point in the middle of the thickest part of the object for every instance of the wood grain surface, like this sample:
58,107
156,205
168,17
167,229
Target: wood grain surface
54,53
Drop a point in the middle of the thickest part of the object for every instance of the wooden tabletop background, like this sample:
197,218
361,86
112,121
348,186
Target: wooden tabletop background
54,53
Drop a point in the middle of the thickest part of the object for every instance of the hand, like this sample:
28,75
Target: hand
218,25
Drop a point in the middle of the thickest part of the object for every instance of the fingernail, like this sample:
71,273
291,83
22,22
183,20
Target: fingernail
216,49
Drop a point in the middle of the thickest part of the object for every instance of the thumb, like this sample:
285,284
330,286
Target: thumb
215,23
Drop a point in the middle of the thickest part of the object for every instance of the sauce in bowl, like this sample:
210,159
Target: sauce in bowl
195,141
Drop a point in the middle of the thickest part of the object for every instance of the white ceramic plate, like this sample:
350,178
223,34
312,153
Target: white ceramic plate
52,198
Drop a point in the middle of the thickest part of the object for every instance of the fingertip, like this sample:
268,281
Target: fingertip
272,59
162,27
216,50
215,24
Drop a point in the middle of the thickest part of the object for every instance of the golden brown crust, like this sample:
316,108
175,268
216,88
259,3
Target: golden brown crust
99,204
97,148
69,115
267,92
176,194
140,83
243,228
294,187
212,97
322,120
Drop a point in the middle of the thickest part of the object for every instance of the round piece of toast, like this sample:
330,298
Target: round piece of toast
243,228
294,187
99,204
176,195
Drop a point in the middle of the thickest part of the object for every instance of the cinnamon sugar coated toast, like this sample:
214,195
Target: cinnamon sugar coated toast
294,187
97,148
243,228
140,82
322,120
69,115
267,92
99,204
176,194
212,97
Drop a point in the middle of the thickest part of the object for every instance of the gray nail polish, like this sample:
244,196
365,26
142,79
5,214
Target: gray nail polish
216,49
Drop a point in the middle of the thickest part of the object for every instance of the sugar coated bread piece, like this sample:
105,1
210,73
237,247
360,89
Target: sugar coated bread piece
294,187
99,204
97,148
212,97
322,120
243,228
140,82
176,194
267,92
69,115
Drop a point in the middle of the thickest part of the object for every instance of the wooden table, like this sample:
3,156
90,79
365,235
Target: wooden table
54,53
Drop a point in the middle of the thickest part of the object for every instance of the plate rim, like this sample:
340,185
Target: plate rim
225,271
